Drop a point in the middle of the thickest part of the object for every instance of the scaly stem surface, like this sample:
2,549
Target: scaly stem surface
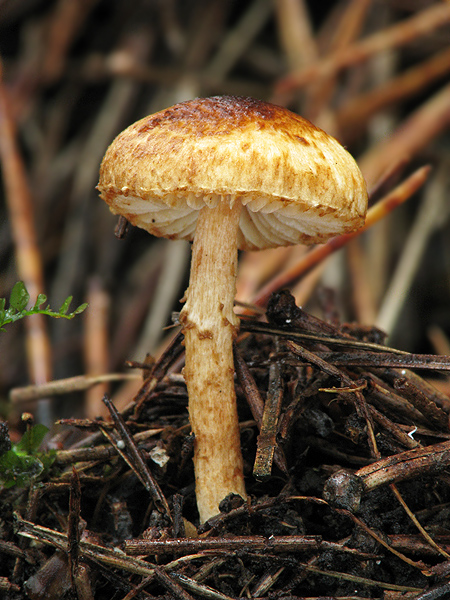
210,326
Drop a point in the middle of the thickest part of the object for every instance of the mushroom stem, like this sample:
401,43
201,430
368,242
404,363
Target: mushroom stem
210,326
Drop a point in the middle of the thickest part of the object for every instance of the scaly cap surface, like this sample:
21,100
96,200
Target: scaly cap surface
297,183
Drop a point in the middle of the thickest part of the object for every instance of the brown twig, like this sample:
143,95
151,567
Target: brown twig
27,253
205,591
414,544
63,27
421,397
171,585
267,436
393,430
73,528
354,115
274,543
249,387
134,459
362,580
97,453
345,489
296,33
379,539
388,359
419,25
299,333
79,383
416,522
255,401
385,398
350,387
158,371
97,552
336,35
415,133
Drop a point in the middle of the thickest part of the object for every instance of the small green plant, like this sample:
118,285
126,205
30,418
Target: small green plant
24,462
18,302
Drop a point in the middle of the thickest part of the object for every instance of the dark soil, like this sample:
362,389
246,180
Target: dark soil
102,498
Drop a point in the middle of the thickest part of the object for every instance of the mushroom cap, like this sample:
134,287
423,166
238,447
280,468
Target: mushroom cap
296,183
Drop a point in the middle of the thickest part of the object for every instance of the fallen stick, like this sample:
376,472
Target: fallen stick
345,489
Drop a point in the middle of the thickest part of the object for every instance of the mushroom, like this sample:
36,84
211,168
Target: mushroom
228,173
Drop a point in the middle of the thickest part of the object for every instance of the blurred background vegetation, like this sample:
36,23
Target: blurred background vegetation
373,73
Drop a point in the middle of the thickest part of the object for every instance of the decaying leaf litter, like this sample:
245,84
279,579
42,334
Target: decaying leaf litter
347,405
